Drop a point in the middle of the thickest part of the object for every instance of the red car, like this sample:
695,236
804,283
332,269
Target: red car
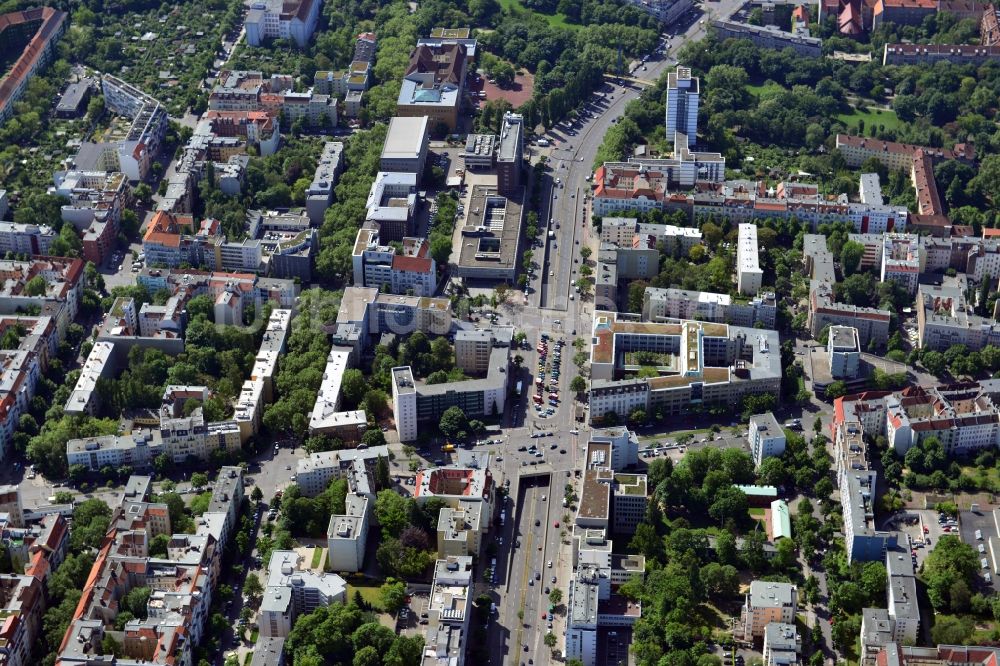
555,524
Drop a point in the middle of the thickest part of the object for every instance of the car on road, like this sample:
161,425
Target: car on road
555,524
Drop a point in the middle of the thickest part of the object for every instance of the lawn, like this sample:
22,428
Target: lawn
370,593
871,118
557,20
757,513
317,561
768,86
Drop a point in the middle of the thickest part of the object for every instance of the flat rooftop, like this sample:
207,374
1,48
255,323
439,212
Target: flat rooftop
405,138
490,233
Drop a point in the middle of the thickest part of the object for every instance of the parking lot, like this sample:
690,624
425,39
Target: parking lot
412,617
979,530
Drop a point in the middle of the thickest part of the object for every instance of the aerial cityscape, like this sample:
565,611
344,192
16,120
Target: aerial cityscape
500,332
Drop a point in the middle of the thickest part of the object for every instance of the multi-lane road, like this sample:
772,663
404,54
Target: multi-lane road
530,538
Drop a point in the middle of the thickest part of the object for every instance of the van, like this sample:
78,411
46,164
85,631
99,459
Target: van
984,563
982,549
979,535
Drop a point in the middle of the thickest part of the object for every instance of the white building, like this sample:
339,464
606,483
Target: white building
748,273
276,19
292,589
347,535
659,305
404,403
682,103
844,348
782,644
449,610
405,147
767,439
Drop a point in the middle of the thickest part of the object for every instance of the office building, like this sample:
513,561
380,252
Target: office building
405,147
294,21
510,154
622,450
480,151
490,236
767,602
683,91
697,363
293,589
391,204
766,437
628,502
433,85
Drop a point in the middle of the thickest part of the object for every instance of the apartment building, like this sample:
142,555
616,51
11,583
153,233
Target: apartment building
276,19
683,91
319,194
460,530
901,262
327,417
661,305
844,348
449,612
896,156
697,362
34,33
313,474
134,154
365,313
484,396
767,439
769,37
25,239
944,318
293,589
411,271
96,202
901,596
782,644
749,276
872,324
624,231
651,184
740,201
434,84
765,603
248,90
405,146
182,582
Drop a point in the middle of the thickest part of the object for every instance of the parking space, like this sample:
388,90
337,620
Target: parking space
979,530
919,531
413,616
